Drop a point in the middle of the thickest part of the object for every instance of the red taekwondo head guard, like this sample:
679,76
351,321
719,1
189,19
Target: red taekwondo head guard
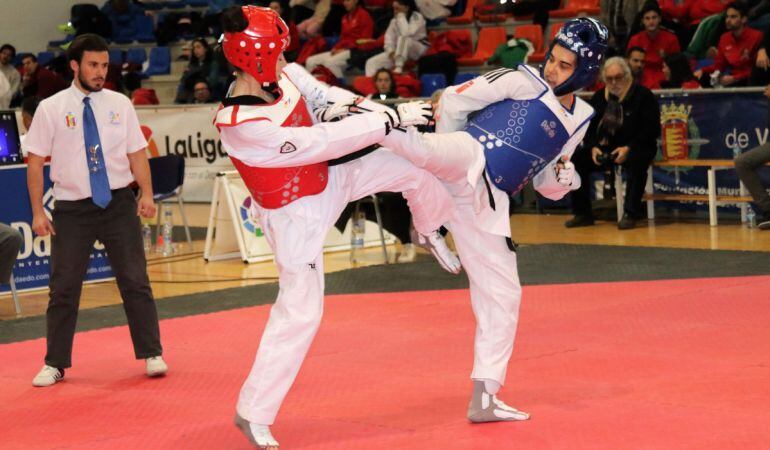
256,49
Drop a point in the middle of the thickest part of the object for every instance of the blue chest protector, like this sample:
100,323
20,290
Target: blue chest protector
520,137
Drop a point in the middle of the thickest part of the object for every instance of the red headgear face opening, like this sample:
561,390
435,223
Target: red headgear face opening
256,49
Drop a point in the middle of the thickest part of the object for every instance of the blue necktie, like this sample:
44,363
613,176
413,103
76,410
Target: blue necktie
97,170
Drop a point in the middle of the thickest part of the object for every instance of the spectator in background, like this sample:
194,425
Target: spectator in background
435,9
676,69
656,43
385,85
618,16
38,80
624,131
690,12
747,165
356,24
737,50
123,17
5,92
203,65
406,39
311,27
202,93
511,53
635,57
209,24
760,75
7,54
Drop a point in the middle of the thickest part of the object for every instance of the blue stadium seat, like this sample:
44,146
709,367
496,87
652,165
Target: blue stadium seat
160,62
145,29
431,82
44,58
136,56
465,76
116,56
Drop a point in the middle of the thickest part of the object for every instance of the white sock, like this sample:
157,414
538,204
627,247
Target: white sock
491,386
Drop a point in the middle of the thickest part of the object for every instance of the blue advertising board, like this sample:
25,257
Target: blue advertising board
714,125
33,265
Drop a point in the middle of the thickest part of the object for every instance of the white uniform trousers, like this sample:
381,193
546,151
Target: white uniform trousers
336,62
490,264
296,233
408,49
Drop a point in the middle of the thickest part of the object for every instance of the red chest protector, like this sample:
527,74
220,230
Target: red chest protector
274,188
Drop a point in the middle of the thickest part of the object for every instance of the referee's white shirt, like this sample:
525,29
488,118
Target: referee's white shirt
57,131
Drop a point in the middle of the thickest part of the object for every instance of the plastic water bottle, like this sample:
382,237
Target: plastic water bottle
146,236
736,152
357,231
168,227
751,217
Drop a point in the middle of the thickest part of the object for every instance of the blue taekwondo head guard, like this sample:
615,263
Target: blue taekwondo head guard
587,39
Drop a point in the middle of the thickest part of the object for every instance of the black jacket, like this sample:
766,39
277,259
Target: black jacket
641,123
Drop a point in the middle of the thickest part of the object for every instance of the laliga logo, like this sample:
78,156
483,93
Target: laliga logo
249,222
152,147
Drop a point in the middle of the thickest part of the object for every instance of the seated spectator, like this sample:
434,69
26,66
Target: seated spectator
435,9
209,23
123,17
678,73
760,75
311,27
406,39
5,92
635,57
624,132
356,24
7,53
203,65
747,166
385,85
690,12
737,50
202,93
38,80
656,43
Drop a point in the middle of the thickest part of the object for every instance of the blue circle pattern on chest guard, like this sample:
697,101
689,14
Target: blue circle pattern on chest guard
520,137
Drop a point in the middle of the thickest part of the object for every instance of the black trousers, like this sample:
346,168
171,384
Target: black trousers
78,224
635,170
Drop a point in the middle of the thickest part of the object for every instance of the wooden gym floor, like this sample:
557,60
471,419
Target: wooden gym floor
186,272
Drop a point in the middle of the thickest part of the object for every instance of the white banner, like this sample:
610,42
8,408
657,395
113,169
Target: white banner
187,131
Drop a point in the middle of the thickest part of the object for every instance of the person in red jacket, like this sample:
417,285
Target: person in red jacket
737,49
657,44
39,81
692,11
356,24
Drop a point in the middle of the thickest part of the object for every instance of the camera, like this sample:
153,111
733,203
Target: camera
606,159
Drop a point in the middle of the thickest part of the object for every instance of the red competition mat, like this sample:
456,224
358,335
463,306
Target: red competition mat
666,364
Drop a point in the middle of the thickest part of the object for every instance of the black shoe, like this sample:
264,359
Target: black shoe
764,222
626,223
579,221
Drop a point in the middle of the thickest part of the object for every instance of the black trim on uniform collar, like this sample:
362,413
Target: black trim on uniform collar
243,100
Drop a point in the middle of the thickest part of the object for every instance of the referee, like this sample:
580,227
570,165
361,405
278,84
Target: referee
97,149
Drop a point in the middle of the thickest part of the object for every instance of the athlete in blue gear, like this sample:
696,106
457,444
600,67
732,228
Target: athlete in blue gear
495,133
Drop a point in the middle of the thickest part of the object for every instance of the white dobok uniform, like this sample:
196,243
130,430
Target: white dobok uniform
481,224
263,136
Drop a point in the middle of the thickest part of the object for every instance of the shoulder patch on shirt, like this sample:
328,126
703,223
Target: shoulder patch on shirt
288,147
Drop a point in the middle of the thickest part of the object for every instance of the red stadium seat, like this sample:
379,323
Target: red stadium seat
489,39
534,34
